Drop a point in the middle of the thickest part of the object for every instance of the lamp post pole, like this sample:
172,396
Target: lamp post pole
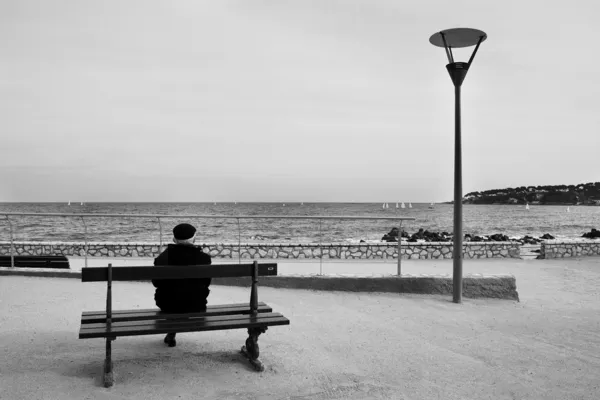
458,37
457,256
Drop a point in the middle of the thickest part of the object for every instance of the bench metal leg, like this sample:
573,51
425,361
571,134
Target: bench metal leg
250,350
108,378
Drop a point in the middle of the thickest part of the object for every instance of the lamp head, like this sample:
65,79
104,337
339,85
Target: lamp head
457,38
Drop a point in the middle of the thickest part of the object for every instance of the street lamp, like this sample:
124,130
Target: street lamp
449,39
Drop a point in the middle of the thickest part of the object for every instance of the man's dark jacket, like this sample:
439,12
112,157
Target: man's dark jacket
182,295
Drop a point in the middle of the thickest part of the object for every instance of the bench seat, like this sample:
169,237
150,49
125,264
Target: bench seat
89,317
35,262
193,324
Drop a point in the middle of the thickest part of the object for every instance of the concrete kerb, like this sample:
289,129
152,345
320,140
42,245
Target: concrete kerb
474,286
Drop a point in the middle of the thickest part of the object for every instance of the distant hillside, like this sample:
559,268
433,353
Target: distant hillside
581,194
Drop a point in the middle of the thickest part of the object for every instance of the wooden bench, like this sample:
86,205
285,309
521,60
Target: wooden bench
35,261
110,324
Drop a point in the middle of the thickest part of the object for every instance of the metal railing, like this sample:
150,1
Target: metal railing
320,218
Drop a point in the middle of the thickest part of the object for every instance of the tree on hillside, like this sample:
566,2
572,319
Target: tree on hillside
553,194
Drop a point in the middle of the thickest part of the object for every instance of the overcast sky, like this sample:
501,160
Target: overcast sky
291,100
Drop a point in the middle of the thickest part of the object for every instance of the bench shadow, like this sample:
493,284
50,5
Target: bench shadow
153,356
89,370
60,352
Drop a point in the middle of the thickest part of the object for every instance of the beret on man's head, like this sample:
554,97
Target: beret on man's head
184,231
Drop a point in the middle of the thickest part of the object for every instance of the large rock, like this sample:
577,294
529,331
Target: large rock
593,234
391,236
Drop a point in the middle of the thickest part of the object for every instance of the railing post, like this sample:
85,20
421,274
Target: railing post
320,249
160,243
85,246
108,367
399,250
12,244
239,242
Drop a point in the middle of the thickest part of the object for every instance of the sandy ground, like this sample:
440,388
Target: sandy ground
338,346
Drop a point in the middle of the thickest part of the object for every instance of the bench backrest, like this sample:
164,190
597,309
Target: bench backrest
142,273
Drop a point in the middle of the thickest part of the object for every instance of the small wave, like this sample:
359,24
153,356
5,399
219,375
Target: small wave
356,241
263,237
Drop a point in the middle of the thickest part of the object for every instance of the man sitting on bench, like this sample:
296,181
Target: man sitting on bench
181,295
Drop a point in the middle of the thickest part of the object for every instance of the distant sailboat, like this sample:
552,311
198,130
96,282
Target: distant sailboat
568,210
431,206
284,204
409,205
383,206
396,204
69,203
81,203
527,206
402,205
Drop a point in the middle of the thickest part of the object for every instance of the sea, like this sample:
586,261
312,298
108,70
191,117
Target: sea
512,220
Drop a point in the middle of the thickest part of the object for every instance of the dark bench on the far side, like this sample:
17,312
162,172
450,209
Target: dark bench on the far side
35,261
110,324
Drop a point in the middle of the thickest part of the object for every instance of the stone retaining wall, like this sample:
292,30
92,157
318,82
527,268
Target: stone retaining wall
567,248
431,250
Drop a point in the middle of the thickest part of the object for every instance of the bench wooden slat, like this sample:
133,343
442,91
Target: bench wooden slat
212,318
143,273
134,328
137,310
35,261
36,264
138,315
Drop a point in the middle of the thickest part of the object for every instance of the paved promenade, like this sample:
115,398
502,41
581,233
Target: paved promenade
339,345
